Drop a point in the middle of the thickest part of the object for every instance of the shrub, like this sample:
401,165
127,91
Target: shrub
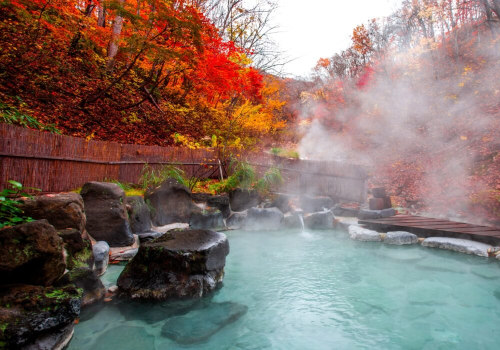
10,212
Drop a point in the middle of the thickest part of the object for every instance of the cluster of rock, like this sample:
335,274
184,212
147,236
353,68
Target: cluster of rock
46,273
466,246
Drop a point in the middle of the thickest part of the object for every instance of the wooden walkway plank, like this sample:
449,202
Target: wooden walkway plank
429,227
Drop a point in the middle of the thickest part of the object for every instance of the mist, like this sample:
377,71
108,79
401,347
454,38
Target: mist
423,125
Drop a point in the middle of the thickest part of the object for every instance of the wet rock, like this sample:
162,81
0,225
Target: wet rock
208,220
28,313
62,210
362,234
86,279
200,197
241,199
312,204
79,250
319,221
292,221
263,219
55,340
139,215
31,253
199,325
283,202
400,238
237,220
100,251
178,264
366,214
457,245
170,202
220,202
107,218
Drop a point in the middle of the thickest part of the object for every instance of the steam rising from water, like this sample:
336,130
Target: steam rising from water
419,111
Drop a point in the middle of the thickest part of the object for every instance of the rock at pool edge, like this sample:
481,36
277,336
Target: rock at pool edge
176,265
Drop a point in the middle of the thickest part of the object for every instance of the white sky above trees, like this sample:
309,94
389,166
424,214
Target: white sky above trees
312,29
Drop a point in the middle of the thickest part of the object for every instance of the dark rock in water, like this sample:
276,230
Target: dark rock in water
241,199
28,313
139,214
62,210
125,337
292,220
366,214
207,220
220,202
31,253
263,219
319,221
107,218
56,340
153,312
178,264
199,325
236,220
87,280
171,203
100,251
310,204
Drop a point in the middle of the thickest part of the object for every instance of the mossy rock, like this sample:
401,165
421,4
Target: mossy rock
28,312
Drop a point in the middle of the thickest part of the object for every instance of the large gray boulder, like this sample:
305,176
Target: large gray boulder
323,220
62,210
458,245
242,199
139,215
292,220
263,219
358,233
170,202
107,218
207,220
400,238
31,316
220,202
178,264
237,220
31,253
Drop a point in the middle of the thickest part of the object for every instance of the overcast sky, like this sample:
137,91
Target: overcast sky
311,29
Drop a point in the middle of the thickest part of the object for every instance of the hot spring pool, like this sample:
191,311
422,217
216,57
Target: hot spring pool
316,290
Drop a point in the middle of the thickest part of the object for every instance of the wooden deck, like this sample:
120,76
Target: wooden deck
429,227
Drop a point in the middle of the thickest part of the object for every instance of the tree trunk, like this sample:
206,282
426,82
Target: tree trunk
116,30
101,16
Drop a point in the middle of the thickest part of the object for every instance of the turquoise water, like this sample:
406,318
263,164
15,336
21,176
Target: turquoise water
316,290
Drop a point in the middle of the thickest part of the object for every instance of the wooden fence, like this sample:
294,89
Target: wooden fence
56,163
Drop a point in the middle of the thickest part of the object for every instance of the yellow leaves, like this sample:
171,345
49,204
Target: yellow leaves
90,137
464,138
461,84
185,141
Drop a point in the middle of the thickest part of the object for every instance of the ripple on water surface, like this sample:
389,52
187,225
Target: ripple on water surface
315,290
